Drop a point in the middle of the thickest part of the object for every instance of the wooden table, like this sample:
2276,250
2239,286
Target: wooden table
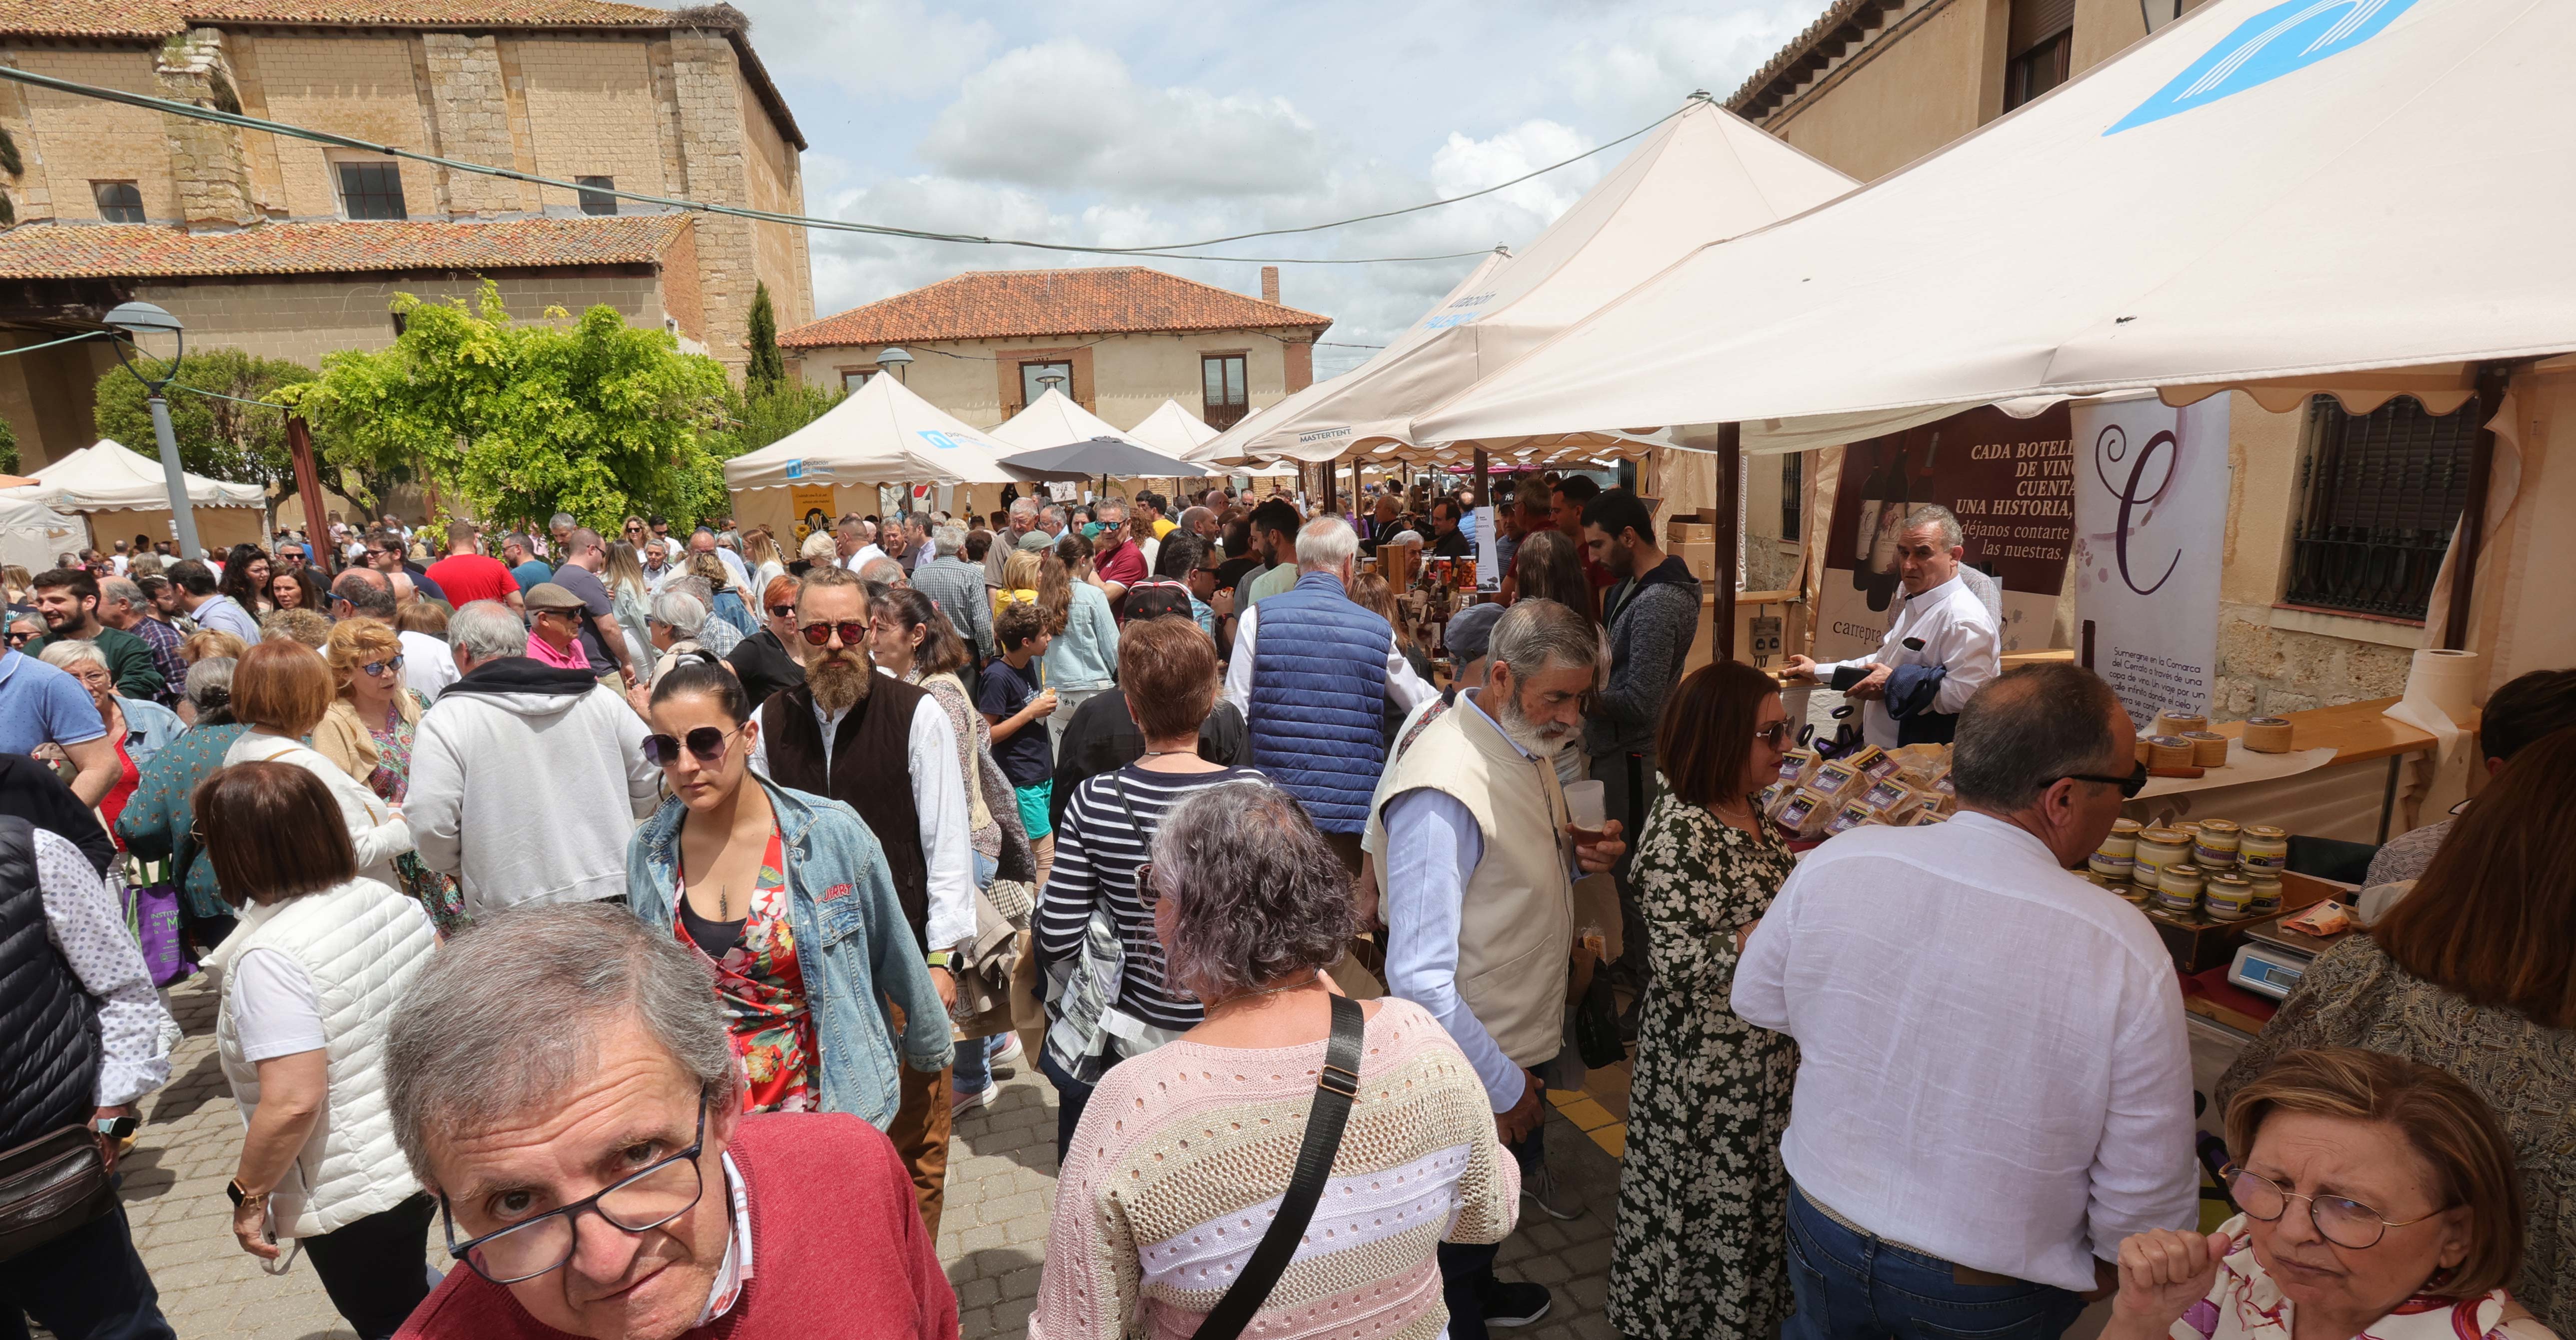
2358,733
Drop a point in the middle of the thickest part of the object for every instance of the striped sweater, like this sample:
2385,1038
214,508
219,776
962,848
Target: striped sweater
1183,1155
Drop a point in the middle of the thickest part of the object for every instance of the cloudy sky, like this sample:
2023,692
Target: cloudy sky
1143,122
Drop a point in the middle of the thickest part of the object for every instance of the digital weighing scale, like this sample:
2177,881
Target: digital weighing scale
2273,958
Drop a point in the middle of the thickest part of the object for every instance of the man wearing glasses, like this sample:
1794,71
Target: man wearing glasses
885,749
1994,1087
606,1183
1943,646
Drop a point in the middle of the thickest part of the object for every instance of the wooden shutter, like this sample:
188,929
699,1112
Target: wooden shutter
2036,21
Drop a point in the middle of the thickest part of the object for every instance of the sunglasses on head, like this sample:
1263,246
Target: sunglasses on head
852,631
707,742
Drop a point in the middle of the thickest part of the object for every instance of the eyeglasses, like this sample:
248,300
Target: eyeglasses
852,631
1775,734
639,1202
18,639
2341,1220
2129,786
706,742
377,669
782,611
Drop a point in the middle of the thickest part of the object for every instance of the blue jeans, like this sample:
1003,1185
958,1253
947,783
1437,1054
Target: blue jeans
1854,1286
85,1285
972,1071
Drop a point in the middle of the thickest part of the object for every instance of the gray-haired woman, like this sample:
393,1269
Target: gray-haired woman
1251,906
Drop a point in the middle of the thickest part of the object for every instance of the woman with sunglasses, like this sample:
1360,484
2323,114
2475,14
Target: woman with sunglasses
2376,1197
309,982
787,898
369,730
1703,1208
767,660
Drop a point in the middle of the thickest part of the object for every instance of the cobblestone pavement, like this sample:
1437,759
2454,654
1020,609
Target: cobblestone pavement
992,1236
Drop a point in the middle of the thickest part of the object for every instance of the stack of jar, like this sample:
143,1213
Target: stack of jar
2215,867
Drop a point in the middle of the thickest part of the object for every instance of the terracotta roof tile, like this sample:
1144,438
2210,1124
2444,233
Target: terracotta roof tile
139,251
1011,304
160,18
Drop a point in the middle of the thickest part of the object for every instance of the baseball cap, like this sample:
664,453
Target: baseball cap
1152,600
1471,631
548,596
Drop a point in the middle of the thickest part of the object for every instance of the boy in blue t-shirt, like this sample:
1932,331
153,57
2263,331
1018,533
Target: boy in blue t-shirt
1011,699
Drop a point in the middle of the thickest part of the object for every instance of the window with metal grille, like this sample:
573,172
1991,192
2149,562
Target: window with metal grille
1225,401
595,197
372,191
118,201
2041,38
1793,484
2378,496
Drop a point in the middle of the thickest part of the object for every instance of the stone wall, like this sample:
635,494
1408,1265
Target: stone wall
1122,378
305,319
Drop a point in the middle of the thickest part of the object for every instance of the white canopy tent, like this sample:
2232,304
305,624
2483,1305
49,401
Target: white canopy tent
1173,431
1703,175
2261,191
1053,420
106,477
33,535
882,434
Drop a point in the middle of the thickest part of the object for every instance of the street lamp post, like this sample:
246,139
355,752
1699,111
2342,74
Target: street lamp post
893,356
142,318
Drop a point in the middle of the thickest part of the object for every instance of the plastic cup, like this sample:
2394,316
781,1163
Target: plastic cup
1584,806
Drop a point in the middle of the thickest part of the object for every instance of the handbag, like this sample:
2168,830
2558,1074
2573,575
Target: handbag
1336,1084
50,1186
152,916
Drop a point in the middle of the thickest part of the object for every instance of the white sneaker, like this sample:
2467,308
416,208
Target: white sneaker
1011,1051
968,1102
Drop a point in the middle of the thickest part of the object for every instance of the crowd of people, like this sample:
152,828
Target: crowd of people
641,914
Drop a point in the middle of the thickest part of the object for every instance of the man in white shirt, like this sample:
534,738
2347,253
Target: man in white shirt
1994,1086
851,544
1943,625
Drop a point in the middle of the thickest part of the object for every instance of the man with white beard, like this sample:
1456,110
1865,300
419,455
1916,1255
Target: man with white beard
1477,882
840,734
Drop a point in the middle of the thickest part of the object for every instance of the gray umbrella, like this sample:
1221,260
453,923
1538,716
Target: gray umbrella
1114,457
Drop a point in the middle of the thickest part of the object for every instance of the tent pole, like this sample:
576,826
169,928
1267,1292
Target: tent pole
2492,381
1730,471
308,487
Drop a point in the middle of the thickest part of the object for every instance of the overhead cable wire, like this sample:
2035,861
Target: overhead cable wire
1165,251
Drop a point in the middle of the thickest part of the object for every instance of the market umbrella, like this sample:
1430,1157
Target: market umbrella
1100,456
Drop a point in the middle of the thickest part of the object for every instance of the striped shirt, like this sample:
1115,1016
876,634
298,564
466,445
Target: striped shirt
1097,849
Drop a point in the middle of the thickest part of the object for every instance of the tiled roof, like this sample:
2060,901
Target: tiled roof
144,251
160,18
1011,304
1844,24
157,19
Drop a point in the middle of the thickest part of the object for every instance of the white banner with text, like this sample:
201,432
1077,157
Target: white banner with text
2150,530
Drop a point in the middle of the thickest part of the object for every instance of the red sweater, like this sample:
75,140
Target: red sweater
838,1251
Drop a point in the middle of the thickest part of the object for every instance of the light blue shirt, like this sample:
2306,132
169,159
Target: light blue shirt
224,614
40,704
1432,846
1085,654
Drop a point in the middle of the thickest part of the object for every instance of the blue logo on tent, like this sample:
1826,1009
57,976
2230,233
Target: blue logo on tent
2280,40
938,439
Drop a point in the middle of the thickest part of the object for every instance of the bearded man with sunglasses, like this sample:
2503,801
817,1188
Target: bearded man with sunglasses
1994,1086
526,779
883,748
562,1081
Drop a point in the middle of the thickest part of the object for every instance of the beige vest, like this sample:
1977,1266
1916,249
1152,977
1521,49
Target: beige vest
1516,930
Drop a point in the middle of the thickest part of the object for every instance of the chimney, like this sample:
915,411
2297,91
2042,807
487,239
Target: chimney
1270,283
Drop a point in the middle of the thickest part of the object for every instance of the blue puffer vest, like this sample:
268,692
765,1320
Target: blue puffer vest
1318,699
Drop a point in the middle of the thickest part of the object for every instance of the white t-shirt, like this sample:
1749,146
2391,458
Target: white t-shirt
275,1009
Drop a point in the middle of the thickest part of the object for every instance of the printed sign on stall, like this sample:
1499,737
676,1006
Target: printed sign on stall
2010,483
2150,520
813,506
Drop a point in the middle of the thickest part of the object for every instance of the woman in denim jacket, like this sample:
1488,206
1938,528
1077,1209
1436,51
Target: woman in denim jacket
787,898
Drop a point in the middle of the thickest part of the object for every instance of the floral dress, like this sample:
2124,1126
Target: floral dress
1703,1206
391,781
763,993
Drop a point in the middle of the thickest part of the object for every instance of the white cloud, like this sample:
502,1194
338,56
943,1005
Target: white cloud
1464,165
1656,60
871,49
1067,115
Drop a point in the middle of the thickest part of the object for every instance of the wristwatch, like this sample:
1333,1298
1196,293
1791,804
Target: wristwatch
241,1197
940,958
116,1128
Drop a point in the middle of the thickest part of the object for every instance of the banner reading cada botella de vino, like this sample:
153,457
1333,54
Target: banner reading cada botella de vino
2011,483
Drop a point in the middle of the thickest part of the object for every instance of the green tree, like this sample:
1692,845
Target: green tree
754,420
218,438
8,451
768,367
595,417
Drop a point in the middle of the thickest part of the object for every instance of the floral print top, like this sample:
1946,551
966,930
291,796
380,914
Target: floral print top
763,993
2244,1304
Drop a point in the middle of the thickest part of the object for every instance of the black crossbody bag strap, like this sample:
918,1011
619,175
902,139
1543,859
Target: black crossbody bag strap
1335,1085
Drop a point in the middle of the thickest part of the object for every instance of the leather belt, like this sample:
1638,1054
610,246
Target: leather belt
1959,1274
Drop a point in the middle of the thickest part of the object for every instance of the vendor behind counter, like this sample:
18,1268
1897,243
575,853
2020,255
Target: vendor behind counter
1943,646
